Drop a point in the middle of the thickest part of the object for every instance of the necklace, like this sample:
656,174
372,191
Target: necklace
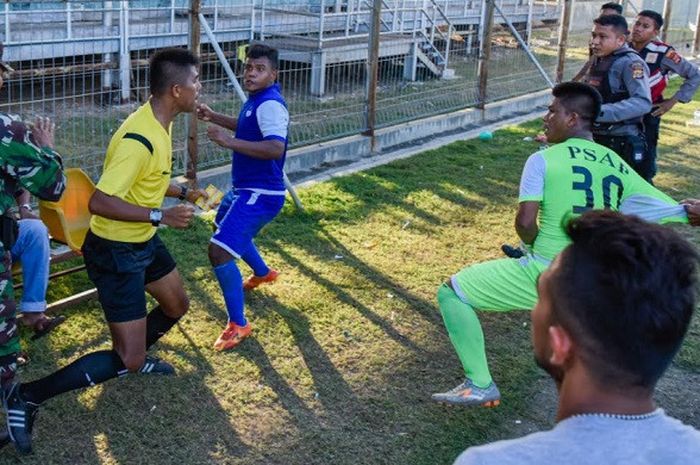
617,416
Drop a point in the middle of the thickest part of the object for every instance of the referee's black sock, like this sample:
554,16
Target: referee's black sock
89,370
157,324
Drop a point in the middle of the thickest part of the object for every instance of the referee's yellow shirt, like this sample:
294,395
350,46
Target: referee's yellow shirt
135,174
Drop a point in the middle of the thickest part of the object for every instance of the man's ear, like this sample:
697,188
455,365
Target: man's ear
175,90
560,344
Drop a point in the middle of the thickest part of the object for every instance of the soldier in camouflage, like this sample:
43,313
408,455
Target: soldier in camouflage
27,160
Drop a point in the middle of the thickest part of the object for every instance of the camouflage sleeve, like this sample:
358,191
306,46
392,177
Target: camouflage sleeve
37,169
686,70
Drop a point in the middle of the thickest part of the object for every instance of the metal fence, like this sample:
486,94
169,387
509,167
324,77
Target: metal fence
85,63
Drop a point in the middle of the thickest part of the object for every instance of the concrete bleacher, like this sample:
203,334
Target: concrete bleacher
313,32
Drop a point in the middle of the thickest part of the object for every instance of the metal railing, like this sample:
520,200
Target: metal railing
85,63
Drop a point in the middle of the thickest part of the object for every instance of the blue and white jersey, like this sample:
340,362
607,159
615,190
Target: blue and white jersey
263,117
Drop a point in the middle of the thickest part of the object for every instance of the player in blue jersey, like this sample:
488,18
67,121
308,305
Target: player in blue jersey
257,193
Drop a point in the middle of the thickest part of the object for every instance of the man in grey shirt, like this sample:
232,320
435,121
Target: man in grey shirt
622,78
606,340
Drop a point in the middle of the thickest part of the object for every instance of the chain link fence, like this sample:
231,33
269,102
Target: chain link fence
85,63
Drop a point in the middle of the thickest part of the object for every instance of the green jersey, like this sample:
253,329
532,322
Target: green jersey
579,175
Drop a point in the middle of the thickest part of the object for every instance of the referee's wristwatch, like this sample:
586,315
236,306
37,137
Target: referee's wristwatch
155,216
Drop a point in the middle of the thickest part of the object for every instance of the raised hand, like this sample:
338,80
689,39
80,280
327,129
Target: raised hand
43,131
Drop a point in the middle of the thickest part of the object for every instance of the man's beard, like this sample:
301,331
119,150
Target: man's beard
556,373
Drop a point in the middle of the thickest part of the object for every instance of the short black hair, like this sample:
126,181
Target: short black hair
168,67
612,6
625,290
618,22
579,98
658,19
257,50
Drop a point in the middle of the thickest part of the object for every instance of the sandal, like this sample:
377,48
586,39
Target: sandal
46,325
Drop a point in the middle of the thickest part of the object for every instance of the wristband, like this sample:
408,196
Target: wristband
183,193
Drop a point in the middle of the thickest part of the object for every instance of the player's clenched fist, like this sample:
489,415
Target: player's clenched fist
219,135
178,216
204,112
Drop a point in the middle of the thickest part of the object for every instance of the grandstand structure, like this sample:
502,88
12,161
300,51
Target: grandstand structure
313,33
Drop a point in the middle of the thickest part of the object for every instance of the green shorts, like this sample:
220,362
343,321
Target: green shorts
505,284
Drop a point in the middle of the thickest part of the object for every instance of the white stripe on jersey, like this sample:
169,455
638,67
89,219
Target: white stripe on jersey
652,47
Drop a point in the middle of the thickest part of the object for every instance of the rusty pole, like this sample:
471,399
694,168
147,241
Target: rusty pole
373,73
485,53
191,121
563,38
667,20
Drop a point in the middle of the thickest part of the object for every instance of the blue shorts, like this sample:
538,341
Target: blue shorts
241,215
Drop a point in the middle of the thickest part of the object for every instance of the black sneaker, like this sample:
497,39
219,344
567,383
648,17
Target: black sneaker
156,366
20,418
512,252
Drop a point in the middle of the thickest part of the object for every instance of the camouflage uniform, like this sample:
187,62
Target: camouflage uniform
23,164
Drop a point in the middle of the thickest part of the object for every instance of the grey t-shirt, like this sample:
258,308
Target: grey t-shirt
597,440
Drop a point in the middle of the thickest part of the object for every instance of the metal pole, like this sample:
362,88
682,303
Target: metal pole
373,72
172,16
222,58
530,4
667,20
7,22
107,21
525,47
124,53
321,25
563,38
191,119
696,42
69,21
485,51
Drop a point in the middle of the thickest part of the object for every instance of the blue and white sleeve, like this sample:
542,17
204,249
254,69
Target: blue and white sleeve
273,120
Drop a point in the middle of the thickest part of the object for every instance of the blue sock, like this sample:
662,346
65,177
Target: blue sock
252,257
231,283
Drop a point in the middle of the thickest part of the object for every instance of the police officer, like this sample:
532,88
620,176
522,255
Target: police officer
27,160
622,79
609,8
661,59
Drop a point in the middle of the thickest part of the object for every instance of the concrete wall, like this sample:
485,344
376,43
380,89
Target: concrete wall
349,149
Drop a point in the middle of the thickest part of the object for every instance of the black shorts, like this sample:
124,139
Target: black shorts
121,270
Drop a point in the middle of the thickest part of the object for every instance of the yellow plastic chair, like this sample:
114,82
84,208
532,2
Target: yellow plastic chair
68,219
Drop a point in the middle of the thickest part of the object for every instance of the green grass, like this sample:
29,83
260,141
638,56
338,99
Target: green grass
349,344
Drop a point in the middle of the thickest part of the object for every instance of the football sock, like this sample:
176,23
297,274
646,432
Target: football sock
252,257
466,335
89,370
231,283
157,324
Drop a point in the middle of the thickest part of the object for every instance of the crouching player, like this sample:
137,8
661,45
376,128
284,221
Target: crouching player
567,179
